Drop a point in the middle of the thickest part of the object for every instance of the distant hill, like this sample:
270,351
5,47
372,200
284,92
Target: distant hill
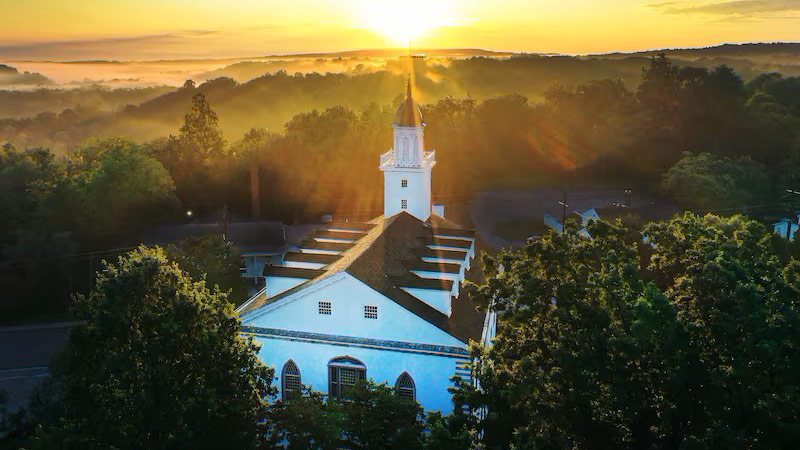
396,52
268,91
748,59
11,76
754,50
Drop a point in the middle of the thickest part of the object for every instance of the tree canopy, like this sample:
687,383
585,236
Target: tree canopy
706,182
160,364
212,259
692,346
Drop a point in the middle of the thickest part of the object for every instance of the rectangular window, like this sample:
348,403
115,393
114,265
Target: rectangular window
325,308
370,312
403,204
340,379
403,183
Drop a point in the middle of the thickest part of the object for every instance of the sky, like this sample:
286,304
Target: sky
62,30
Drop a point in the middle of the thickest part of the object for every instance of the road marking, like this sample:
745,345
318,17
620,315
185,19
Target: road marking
24,377
24,368
40,326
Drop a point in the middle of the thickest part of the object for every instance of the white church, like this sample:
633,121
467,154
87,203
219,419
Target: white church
378,300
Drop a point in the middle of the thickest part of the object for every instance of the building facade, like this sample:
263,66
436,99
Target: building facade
378,300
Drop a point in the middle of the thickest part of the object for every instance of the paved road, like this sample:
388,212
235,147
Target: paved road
25,354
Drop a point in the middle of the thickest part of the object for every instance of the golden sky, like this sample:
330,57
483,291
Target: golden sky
155,29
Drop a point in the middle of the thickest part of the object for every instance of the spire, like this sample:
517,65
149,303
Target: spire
408,114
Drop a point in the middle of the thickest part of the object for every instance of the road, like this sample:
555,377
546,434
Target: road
25,355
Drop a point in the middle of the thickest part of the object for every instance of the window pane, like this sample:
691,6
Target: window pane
405,386
290,379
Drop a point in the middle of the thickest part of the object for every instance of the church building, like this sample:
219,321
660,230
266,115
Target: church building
379,300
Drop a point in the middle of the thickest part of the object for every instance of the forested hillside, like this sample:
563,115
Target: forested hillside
704,137
268,92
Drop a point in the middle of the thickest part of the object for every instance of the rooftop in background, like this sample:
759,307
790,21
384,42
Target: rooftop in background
248,237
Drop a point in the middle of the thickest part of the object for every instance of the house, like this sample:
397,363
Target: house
780,227
583,218
379,300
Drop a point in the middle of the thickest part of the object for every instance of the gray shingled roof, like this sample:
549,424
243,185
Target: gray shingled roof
381,260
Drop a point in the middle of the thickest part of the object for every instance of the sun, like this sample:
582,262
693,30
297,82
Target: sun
403,21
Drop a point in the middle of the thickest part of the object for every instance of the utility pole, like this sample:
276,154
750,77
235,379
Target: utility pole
255,193
225,222
564,205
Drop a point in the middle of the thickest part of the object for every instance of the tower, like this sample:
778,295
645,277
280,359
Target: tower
407,166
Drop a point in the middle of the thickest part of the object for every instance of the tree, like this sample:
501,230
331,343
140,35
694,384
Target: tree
305,422
198,157
377,418
737,301
372,417
160,364
594,352
587,353
212,259
200,141
659,93
114,189
26,178
707,182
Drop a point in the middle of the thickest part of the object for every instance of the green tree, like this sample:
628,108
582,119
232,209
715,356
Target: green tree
737,301
377,418
198,158
305,422
587,353
26,178
591,355
372,417
200,141
160,364
115,188
212,259
659,92
706,182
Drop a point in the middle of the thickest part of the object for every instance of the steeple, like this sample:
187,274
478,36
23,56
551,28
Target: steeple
408,114
407,166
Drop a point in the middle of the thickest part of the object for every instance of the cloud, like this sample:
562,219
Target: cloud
158,46
198,32
734,8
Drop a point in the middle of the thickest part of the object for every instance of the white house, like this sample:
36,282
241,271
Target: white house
780,227
378,300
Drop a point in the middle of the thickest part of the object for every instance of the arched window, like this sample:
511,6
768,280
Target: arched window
404,387
344,372
405,149
290,379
